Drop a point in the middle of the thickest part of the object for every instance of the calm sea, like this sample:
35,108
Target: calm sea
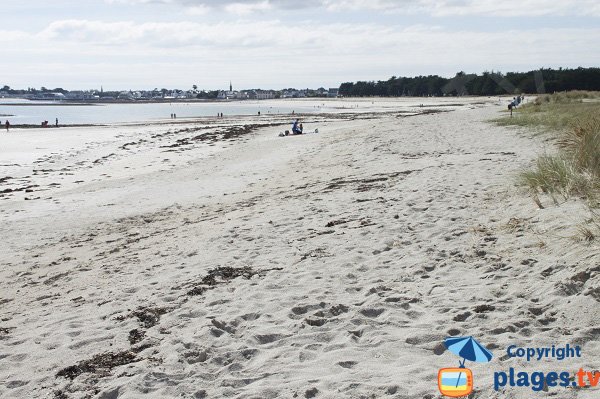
37,112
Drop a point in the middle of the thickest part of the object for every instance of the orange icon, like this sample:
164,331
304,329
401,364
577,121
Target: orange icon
455,382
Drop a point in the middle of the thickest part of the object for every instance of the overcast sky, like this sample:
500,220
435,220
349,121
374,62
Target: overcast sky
136,44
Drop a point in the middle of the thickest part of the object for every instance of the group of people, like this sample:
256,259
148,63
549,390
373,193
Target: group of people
516,101
44,124
173,116
297,128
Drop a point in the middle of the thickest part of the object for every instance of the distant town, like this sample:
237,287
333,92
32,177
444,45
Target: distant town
161,95
484,84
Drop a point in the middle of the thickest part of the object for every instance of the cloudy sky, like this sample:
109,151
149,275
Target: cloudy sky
135,44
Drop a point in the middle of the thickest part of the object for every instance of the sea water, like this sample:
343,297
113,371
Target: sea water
35,112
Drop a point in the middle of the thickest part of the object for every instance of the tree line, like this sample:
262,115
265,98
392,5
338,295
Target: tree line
486,84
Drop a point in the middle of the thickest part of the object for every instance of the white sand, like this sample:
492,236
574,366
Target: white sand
375,239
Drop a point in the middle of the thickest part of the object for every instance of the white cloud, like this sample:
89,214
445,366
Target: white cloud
277,36
508,8
224,35
525,8
198,10
248,8
274,54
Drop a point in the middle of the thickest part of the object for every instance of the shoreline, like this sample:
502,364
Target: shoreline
234,117
183,101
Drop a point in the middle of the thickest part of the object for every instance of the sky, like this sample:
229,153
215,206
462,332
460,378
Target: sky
273,44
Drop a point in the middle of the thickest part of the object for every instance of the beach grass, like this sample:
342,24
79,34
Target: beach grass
555,112
573,118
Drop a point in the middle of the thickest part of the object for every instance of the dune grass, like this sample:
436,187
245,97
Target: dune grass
557,112
574,120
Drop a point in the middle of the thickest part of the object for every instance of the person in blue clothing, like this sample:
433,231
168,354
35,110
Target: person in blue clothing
297,127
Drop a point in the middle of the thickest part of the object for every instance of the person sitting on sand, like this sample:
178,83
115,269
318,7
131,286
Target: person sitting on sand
297,128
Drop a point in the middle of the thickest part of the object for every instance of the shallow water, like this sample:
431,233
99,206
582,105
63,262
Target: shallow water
37,112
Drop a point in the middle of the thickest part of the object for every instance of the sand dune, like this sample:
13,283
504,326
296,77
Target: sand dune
146,261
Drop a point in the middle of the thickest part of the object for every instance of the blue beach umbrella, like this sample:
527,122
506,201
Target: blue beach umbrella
469,349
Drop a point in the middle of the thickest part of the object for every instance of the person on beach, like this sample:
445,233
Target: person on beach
7,124
297,127
56,122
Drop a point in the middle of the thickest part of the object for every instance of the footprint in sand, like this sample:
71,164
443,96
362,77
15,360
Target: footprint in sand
372,312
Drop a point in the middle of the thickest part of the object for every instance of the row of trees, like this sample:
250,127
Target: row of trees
486,84
30,90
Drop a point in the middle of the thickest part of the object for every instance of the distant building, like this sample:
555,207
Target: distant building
192,93
126,95
333,93
78,95
264,94
230,95
49,96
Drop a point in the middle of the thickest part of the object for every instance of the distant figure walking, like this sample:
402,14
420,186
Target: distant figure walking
56,122
174,116
7,124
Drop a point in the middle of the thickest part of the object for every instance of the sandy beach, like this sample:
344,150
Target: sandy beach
211,258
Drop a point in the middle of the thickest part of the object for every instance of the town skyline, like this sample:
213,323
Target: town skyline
163,94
